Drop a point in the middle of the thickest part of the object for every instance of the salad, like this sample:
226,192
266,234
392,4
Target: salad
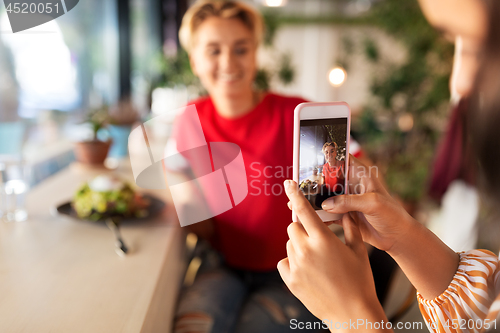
308,185
106,196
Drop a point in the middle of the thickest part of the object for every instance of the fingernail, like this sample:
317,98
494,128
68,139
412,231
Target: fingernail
327,204
287,184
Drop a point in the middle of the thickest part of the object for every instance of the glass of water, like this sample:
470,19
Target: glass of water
14,183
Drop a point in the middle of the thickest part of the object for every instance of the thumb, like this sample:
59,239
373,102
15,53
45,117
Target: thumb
365,203
352,234
305,212
284,270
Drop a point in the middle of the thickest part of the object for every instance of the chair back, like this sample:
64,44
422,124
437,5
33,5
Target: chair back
11,137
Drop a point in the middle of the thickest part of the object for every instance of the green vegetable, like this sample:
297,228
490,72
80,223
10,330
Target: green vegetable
94,205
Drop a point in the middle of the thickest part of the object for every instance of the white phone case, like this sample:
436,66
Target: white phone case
318,111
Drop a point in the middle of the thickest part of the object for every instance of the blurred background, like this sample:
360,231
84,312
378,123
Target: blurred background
108,65
122,58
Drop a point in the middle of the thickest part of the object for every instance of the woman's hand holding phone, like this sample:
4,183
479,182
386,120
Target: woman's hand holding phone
383,222
380,218
332,279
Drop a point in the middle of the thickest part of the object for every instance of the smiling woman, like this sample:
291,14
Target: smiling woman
224,60
238,288
222,40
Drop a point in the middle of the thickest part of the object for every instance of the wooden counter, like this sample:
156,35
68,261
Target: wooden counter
62,275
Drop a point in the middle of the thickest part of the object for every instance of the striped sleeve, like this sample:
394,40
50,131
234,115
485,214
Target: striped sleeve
469,295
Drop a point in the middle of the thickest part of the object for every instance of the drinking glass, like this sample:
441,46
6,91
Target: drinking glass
14,183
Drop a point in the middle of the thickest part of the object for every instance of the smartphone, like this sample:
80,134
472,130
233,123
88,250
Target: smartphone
321,152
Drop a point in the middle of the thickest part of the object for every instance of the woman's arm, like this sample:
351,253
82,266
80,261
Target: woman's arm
384,223
203,229
332,279
428,263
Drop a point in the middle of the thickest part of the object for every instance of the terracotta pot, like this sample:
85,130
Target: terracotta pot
92,152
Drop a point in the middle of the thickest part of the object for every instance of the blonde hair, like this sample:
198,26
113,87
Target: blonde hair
328,144
204,9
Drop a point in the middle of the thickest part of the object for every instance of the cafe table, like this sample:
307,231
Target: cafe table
58,274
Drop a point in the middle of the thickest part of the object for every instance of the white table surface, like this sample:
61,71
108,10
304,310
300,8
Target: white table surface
62,275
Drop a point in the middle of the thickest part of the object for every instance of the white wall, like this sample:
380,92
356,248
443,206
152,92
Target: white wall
315,49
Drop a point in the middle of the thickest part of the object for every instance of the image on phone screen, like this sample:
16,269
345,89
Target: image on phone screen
322,155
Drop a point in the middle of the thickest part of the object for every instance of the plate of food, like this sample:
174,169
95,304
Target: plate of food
108,197
112,201
309,187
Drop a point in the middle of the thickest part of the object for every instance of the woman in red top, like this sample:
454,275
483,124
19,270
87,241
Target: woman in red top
333,169
333,174
238,287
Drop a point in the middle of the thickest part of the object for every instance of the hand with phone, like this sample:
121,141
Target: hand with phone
381,219
321,146
322,137
385,224
332,279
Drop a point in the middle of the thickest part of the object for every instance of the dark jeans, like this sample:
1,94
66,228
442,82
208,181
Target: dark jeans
325,192
223,299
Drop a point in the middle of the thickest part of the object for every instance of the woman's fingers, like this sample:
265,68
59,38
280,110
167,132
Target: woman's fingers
291,254
296,231
365,203
306,214
352,234
363,178
284,270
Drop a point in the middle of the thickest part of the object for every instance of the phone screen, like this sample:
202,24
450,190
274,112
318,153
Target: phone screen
322,156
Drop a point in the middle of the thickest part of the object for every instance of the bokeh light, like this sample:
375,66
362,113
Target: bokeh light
405,122
274,3
337,76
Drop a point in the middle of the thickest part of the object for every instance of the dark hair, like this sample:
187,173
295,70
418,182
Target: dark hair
485,113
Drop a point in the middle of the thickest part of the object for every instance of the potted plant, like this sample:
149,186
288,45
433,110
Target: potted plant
94,151
402,122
